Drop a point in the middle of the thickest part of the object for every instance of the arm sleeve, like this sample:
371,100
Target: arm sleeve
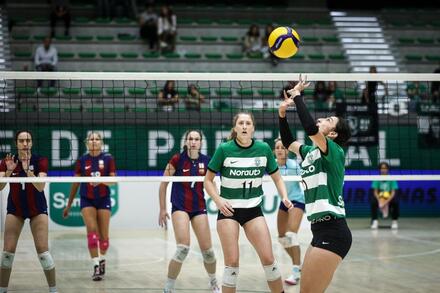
306,119
174,161
375,185
394,185
286,134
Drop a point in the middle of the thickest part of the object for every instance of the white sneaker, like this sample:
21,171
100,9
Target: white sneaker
291,280
214,286
374,224
394,225
168,291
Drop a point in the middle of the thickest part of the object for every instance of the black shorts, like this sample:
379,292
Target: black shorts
332,234
190,214
243,215
296,204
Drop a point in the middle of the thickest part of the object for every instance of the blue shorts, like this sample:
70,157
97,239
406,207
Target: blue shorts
190,214
25,208
102,203
296,204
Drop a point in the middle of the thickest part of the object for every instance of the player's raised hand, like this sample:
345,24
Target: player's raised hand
163,219
300,86
286,103
10,162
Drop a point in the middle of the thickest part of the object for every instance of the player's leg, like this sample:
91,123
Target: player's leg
200,226
288,226
40,231
180,220
318,269
13,227
374,204
104,240
228,231
89,215
258,234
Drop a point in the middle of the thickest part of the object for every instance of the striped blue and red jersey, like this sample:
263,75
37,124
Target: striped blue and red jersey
188,196
24,200
89,166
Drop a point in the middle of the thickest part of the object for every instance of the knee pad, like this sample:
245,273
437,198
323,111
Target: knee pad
293,238
181,253
92,240
208,256
230,275
46,261
104,244
272,272
7,260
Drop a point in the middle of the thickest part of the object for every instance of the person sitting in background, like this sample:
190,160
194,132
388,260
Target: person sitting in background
60,10
417,92
168,97
194,99
166,29
320,92
334,94
148,26
265,46
251,41
46,59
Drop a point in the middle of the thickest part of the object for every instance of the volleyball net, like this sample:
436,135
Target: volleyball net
394,118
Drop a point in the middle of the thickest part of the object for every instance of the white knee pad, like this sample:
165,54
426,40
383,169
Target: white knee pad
293,238
230,275
272,272
181,253
46,261
7,260
208,256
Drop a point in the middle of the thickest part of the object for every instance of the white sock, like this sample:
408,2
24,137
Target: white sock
212,276
169,284
3,289
95,261
102,257
53,290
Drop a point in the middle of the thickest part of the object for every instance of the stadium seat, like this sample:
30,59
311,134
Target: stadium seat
29,91
299,56
426,41
115,91
87,55
93,91
336,57
20,37
406,41
50,109
84,38
108,55
63,38
39,38
205,91
234,56
245,92
208,39
223,92
71,91
308,92
66,55
193,55
330,39
122,20
204,21
102,20
316,57
48,91
434,58
185,20
229,39
129,55
171,55
126,37
351,92
213,56
150,55
188,38
95,109
23,54
307,39
225,21
137,91
413,57
266,92
255,55
81,20
105,38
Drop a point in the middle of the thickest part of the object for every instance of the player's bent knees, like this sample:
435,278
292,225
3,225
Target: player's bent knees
104,244
289,240
181,253
6,260
230,275
272,272
209,256
46,261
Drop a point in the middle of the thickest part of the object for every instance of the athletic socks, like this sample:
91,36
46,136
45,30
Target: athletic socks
169,284
53,290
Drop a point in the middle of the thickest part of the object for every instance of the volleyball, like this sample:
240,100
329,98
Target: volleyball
385,194
283,42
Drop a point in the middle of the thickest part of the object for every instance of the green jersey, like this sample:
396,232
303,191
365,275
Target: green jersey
323,179
242,170
385,185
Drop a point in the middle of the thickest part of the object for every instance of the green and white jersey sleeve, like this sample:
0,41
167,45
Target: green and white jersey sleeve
242,171
323,179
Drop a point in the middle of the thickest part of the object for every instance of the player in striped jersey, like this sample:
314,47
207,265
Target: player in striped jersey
95,200
242,162
25,200
188,206
288,221
322,170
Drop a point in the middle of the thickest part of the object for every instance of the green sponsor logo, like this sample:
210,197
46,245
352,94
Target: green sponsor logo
59,196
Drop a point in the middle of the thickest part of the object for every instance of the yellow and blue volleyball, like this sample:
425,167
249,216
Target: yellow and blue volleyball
283,42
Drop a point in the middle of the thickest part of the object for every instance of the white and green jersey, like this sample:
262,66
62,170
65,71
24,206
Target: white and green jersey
242,170
323,179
